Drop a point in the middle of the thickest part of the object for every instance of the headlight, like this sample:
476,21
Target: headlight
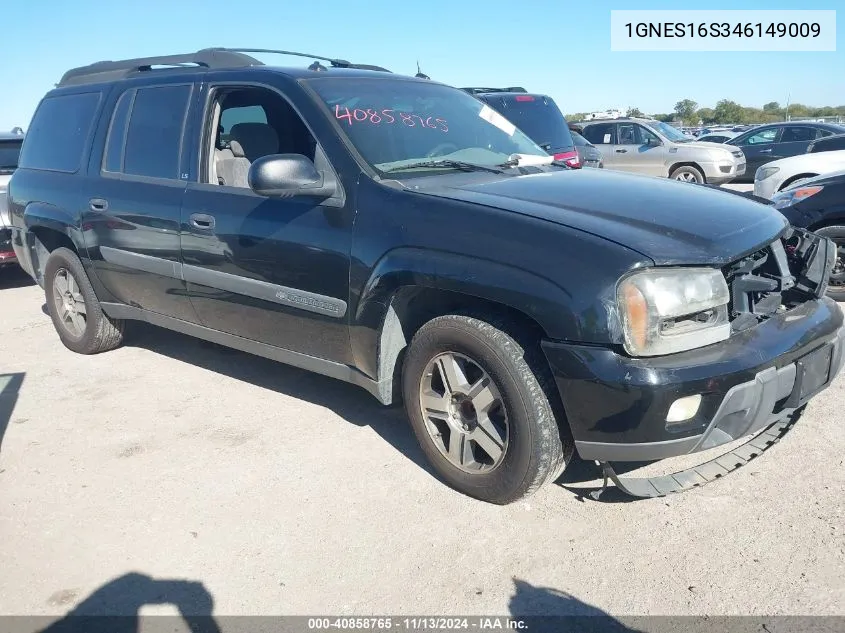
789,197
766,172
670,310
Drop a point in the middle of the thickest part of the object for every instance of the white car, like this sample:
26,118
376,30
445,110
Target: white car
780,174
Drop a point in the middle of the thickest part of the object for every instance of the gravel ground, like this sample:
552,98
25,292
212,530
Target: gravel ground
213,475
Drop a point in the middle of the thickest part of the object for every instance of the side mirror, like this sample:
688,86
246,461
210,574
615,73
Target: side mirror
288,175
653,141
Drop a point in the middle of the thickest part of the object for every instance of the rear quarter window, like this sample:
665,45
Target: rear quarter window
59,132
9,155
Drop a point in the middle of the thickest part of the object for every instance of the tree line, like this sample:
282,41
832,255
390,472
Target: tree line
687,112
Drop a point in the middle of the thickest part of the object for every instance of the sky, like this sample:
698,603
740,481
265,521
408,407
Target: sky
557,47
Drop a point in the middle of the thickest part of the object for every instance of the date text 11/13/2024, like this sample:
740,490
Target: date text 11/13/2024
377,117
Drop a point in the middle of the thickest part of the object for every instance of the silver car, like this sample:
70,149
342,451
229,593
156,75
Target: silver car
654,148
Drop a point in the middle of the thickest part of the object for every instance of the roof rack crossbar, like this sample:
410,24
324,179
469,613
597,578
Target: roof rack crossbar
337,63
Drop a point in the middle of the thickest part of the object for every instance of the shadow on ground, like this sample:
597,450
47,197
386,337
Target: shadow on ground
10,387
14,277
115,607
546,609
350,402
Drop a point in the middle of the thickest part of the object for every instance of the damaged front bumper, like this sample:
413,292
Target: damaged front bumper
788,345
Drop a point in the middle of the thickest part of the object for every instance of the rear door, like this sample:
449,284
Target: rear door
603,136
131,226
794,140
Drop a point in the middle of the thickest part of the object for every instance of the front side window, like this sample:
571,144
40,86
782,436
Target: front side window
59,131
672,133
153,137
395,123
762,137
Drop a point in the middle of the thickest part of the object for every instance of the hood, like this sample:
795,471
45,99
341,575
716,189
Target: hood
671,222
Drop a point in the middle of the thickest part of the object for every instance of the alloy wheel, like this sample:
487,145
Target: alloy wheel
464,413
69,303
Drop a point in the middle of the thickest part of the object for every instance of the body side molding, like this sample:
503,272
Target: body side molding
288,357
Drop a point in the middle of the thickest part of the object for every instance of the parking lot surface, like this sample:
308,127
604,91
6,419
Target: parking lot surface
277,491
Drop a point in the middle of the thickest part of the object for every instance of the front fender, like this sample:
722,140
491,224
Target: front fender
377,336
537,297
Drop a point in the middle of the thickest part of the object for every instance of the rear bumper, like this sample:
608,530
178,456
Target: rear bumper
617,406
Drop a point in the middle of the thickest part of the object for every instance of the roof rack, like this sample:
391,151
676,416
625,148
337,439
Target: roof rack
475,91
217,57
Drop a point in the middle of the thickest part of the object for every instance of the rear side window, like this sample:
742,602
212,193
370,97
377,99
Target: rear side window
830,144
59,132
599,134
797,134
9,154
145,134
537,116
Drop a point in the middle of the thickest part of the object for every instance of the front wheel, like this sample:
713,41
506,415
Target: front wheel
687,173
836,287
480,406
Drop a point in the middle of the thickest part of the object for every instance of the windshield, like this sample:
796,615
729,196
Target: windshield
9,152
672,133
395,122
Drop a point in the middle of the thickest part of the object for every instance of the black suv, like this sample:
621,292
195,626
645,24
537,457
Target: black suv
394,233
537,116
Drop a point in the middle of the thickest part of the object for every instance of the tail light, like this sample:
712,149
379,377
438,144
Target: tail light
570,158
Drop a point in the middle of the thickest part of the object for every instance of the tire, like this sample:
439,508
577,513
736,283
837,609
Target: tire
836,289
687,173
69,295
534,449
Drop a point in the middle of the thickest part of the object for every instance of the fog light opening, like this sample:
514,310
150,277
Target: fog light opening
683,409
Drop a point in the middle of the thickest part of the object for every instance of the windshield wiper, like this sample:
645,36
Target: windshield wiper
444,162
514,162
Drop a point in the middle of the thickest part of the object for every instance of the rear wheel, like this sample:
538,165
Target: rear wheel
836,289
687,173
79,320
480,405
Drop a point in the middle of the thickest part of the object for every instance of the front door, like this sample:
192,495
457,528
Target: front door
758,148
131,225
271,270
639,150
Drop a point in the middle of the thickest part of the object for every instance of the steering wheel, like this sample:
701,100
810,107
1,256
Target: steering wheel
438,150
